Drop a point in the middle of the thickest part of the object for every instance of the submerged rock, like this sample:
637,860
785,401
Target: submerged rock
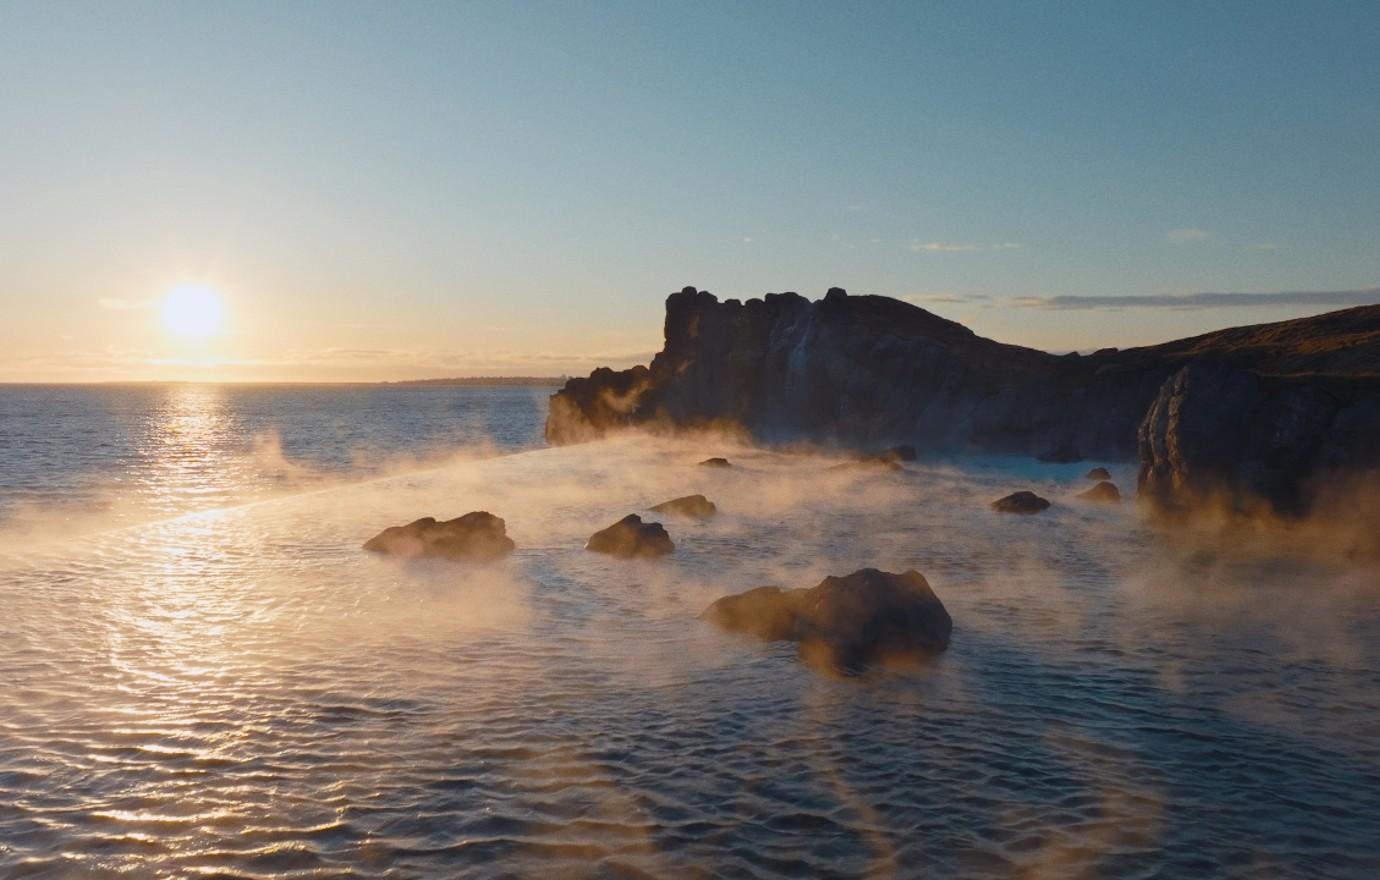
1098,473
715,463
692,506
1020,502
630,538
1103,491
847,622
478,535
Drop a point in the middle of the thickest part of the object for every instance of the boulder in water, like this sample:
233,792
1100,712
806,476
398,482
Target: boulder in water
691,506
847,622
715,463
631,538
1020,502
1103,491
1098,473
478,535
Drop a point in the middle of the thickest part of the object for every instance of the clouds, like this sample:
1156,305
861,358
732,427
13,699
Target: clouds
917,246
1188,301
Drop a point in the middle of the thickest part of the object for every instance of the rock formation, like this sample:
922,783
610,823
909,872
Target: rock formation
867,617
863,372
1103,491
1020,502
691,506
714,462
1098,473
631,538
475,536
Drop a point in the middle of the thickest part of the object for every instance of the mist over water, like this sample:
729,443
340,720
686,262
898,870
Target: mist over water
241,691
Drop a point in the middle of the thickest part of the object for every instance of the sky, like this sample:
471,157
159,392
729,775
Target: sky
404,190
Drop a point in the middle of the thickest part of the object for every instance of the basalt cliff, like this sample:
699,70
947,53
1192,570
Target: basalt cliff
1267,414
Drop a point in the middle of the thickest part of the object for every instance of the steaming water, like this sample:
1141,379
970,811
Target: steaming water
242,692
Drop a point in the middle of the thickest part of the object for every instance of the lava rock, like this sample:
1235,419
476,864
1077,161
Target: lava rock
1098,473
1103,491
691,506
846,623
478,536
631,538
715,463
1020,502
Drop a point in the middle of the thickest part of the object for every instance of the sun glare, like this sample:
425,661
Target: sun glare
192,311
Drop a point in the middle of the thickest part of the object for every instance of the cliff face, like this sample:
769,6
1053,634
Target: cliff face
868,372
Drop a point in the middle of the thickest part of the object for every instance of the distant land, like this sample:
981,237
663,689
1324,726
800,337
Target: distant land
536,381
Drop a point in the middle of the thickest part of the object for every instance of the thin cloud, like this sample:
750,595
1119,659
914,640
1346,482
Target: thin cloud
917,246
1337,298
1263,247
1186,234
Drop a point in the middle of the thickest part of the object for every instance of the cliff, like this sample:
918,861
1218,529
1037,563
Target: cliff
868,371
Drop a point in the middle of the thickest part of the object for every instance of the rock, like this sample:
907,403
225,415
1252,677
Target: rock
862,371
1020,502
767,612
715,463
630,538
1103,491
846,623
1098,473
692,506
891,456
476,536
867,463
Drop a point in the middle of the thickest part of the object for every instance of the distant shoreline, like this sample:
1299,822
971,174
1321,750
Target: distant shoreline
473,381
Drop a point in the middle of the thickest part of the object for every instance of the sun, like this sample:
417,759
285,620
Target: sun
192,311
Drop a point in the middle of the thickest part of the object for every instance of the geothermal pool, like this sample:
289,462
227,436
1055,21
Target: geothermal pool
243,692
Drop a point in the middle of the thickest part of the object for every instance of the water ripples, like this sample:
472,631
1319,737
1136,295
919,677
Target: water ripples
244,693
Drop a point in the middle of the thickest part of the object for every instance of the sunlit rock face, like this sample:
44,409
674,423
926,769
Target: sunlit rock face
1104,491
689,506
477,536
850,622
864,372
631,538
1218,435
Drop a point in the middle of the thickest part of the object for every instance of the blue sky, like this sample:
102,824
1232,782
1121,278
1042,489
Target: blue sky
388,190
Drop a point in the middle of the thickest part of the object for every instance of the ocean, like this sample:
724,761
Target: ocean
205,675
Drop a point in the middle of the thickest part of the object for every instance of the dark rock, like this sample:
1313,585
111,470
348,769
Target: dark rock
1098,473
863,372
891,456
716,463
475,536
692,506
1064,454
848,622
1103,491
767,612
1020,502
630,537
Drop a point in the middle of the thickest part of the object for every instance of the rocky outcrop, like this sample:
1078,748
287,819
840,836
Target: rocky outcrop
477,536
868,617
716,463
1098,473
863,372
1105,491
1219,436
631,538
1020,502
689,506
